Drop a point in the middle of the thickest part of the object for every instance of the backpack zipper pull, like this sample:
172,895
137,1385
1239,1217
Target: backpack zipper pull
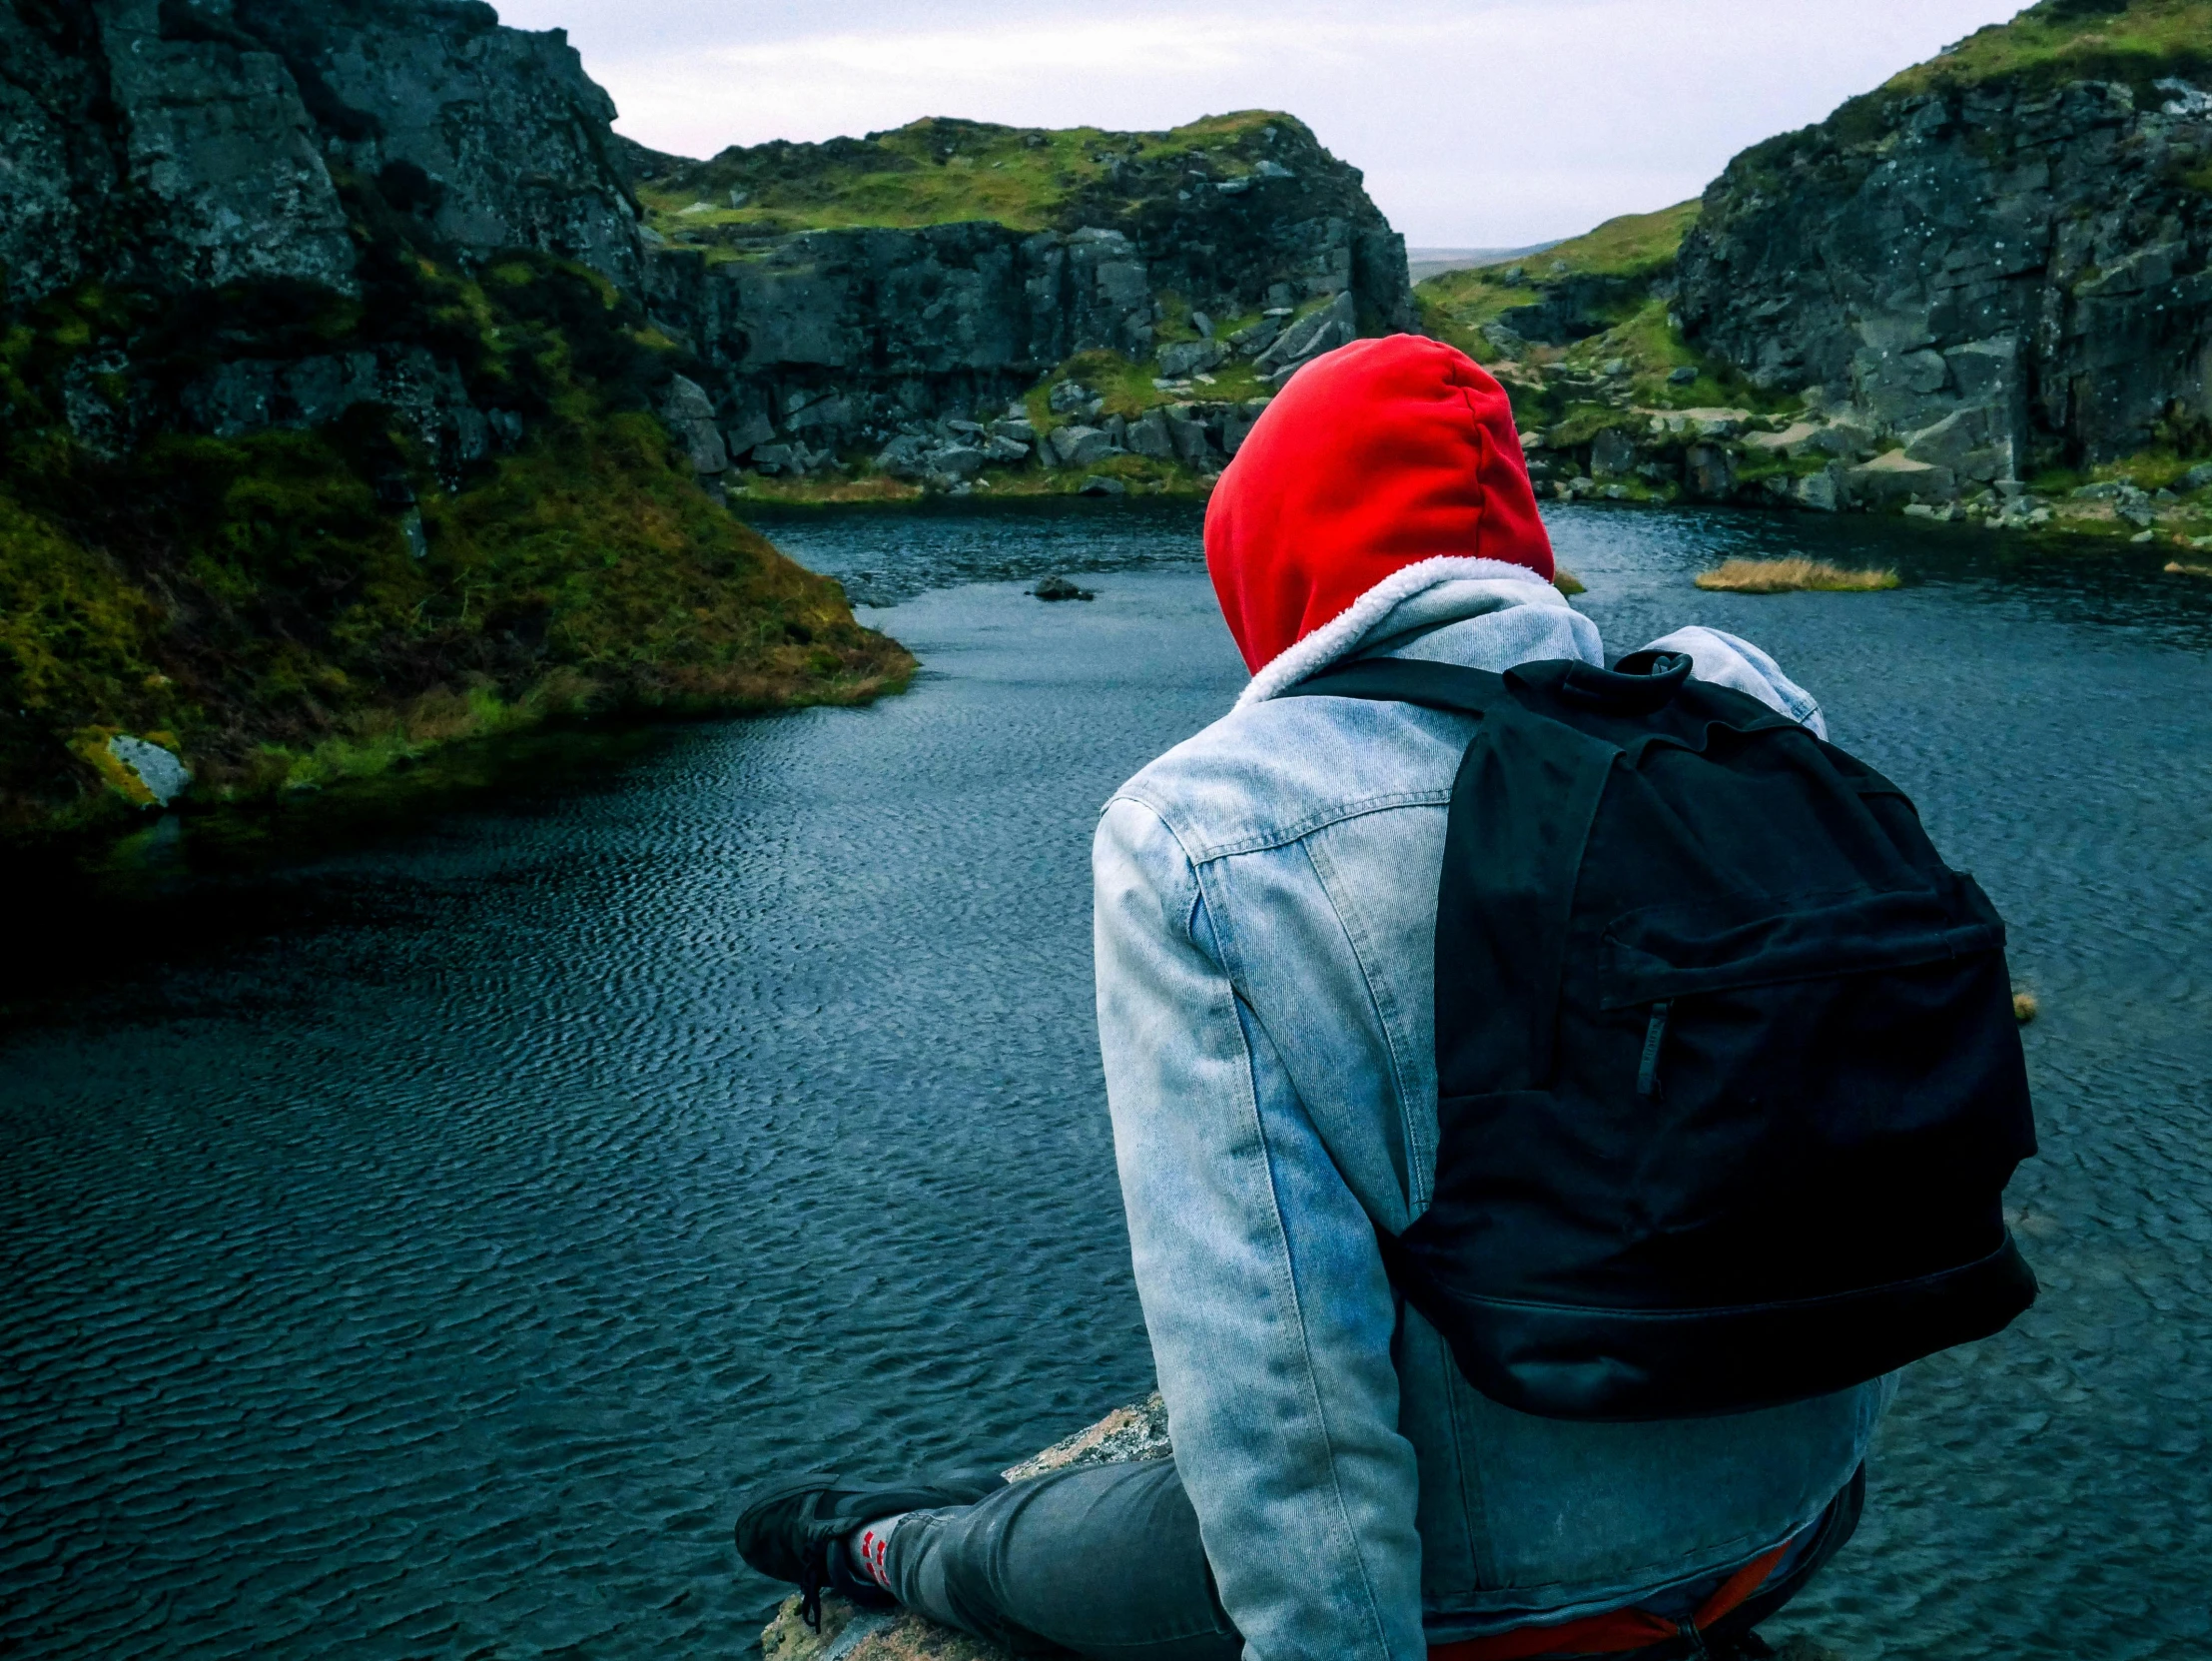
1647,1076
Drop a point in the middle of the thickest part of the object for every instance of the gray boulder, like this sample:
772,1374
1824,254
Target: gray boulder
1079,446
742,436
1612,453
1238,421
689,413
1256,337
956,461
157,771
1683,376
1319,332
1188,358
1818,493
2196,479
1894,478
1148,435
1189,437
902,458
1069,397
1100,484
1709,473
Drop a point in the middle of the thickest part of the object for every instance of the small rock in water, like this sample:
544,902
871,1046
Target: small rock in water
1059,588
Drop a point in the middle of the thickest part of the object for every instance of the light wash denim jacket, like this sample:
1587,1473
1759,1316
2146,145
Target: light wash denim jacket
1266,908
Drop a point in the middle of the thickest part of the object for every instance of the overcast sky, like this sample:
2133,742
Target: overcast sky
1480,123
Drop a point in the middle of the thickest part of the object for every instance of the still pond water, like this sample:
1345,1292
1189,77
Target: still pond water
411,1236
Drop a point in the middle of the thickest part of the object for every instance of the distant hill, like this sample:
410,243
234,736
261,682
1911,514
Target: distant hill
1423,262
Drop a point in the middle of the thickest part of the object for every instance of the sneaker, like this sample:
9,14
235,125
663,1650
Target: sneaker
793,1530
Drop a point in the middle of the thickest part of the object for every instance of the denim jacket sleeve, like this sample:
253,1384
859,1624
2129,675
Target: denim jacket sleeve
1270,1316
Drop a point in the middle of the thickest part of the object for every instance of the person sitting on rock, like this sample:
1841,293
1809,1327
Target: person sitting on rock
1265,932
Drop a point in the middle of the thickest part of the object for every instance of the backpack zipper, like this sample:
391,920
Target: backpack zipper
1646,1075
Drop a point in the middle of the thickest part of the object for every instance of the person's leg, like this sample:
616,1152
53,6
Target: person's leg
1103,1560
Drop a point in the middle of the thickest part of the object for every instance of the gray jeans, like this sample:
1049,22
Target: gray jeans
1105,1561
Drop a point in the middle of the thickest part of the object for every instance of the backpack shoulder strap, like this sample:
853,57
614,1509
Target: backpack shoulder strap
1445,687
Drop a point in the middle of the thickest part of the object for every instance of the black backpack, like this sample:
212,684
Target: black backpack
1729,1079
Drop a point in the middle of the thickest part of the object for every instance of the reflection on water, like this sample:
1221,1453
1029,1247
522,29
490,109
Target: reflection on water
413,1237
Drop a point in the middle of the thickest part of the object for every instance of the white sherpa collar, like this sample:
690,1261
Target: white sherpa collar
1344,633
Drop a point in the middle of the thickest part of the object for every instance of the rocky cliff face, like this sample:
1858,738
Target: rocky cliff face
2000,275
188,145
844,335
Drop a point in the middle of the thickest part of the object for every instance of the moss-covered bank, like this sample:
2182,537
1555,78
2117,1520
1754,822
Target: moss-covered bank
290,606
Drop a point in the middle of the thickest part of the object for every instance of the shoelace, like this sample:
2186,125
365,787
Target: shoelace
814,1569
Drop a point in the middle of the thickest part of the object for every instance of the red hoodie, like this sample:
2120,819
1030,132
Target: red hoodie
1374,456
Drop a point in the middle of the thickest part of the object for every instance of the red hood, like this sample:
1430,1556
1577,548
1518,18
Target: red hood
1374,456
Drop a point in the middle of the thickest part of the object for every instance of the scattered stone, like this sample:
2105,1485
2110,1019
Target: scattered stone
2144,536
1683,376
2196,479
1059,588
1069,397
1101,484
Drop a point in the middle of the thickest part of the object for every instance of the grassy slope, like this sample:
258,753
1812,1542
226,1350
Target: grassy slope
252,604
932,172
2136,41
1631,249
1626,255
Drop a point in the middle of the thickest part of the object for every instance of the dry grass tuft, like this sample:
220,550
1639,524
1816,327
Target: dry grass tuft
1566,582
2026,1008
2175,567
1783,576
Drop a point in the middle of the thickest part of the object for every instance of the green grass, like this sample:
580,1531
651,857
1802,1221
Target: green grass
2069,40
936,170
1632,251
